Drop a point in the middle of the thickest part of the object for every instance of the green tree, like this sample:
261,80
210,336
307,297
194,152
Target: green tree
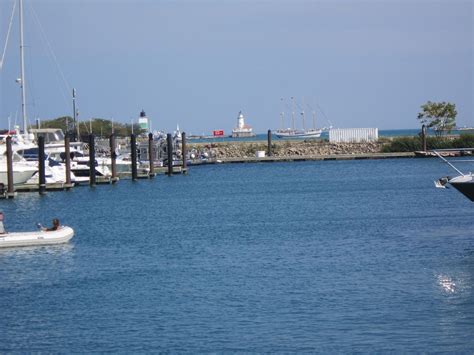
440,116
100,127
59,122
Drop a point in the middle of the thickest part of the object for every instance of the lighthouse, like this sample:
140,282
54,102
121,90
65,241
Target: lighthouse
143,122
242,130
240,120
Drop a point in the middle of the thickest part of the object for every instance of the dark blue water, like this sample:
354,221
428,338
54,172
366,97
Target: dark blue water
337,256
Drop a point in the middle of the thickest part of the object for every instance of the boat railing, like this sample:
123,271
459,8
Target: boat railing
439,154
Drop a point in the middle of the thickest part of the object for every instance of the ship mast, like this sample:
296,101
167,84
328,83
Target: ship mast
302,115
293,112
22,77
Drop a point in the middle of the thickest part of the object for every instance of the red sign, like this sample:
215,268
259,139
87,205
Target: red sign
218,132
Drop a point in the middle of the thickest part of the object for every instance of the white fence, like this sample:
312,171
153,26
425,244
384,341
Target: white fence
353,135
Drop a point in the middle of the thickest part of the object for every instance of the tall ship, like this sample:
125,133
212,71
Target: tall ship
298,133
242,130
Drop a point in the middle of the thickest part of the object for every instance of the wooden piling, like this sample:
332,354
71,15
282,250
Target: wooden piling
269,140
41,167
133,148
151,155
423,137
169,151
183,150
10,189
67,151
92,177
113,158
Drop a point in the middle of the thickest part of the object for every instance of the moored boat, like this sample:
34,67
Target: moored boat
464,182
22,239
298,133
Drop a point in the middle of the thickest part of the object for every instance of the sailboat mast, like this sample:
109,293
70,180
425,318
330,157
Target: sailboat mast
73,116
293,112
22,78
302,115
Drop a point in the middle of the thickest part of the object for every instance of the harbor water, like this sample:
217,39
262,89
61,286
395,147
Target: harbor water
339,256
387,133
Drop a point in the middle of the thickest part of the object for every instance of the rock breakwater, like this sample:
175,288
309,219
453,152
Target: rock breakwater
226,150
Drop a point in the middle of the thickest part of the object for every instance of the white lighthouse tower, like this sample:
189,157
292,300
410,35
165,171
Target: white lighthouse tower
240,120
242,130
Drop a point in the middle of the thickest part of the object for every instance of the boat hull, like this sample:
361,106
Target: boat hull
25,239
466,188
298,134
19,176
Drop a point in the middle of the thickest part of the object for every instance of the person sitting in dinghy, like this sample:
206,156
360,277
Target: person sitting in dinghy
55,226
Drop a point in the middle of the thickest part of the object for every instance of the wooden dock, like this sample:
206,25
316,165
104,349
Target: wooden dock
271,159
49,187
158,170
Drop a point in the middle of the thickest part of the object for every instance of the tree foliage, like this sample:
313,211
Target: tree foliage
440,116
411,144
100,127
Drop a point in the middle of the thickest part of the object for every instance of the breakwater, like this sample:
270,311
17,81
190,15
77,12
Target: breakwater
281,149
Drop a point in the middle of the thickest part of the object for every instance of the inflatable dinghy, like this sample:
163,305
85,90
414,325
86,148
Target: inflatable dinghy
23,239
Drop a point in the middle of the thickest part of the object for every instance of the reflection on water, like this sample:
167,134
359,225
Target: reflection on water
24,253
22,266
447,283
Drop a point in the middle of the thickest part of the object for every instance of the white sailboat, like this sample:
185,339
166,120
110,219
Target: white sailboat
298,133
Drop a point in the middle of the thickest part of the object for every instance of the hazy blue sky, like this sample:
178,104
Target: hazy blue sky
197,63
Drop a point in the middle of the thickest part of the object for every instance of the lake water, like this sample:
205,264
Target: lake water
339,256
413,132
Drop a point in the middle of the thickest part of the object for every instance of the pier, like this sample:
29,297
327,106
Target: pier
272,159
152,165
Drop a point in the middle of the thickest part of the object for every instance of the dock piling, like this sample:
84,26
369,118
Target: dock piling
67,151
269,139
133,148
169,151
41,166
151,155
10,189
113,158
423,137
92,178
183,151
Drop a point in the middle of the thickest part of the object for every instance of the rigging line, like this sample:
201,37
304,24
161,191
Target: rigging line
8,35
320,109
43,33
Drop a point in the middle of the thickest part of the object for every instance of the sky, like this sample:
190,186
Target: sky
198,63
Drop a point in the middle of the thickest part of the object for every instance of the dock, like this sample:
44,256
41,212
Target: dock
272,159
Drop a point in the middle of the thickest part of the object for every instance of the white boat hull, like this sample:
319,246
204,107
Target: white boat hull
298,134
20,176
24,239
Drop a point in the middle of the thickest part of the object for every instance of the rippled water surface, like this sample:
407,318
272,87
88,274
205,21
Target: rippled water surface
289,257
